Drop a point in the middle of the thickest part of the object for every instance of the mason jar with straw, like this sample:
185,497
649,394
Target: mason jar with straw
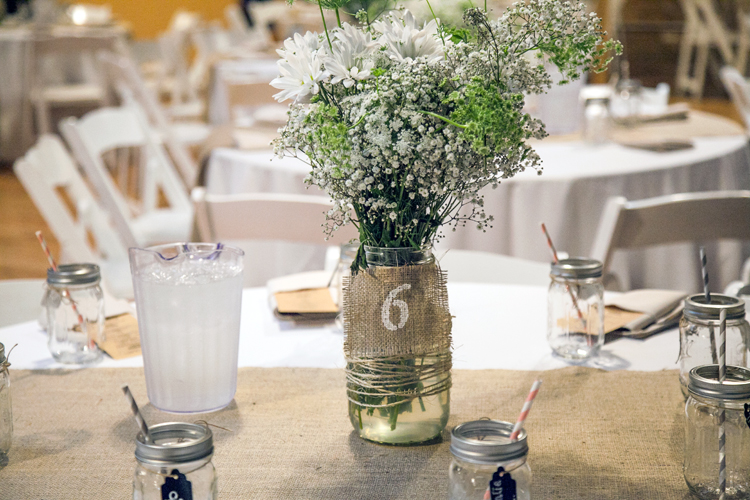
490,458
700,323
717,435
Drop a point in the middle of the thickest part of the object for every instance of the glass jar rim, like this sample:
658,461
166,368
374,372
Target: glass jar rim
74,274
197,443
577,268
704,382
696,306
466,445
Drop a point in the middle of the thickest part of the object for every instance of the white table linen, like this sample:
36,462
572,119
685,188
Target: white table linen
495,327
251,69
575,185
569,197
17,57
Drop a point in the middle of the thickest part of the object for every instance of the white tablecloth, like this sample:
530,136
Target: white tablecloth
569,197
17,132
495,327
251,69
572,191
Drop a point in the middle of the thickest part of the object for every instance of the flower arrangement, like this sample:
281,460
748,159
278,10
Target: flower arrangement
403,124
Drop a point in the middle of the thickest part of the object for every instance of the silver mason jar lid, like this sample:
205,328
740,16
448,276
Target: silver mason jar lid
704,381
173,443
2,353
487,441
576,268
74,274
697,308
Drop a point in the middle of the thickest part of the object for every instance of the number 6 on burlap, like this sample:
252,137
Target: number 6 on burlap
391,300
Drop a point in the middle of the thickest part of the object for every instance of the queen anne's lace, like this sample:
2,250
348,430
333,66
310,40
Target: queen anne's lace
407,123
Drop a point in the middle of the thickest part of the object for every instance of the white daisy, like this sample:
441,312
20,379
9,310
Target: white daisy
405,41
346,65
300,75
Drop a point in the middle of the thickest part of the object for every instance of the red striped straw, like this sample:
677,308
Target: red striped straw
525,410
567,287
52,264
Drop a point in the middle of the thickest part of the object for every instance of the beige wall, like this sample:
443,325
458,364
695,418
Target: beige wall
148,18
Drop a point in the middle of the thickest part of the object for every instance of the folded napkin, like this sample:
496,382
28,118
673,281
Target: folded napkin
640,313
660,145
302,297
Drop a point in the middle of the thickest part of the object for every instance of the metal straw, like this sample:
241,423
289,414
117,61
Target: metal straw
137,414
722,415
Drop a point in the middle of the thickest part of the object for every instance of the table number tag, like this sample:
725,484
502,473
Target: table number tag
176,489
502,486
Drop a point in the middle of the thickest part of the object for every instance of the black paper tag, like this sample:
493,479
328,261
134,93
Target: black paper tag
176,489
502,486
747,414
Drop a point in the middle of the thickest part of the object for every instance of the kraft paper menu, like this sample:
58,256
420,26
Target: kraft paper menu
121,337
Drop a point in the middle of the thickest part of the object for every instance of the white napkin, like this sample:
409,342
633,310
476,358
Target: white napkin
653,303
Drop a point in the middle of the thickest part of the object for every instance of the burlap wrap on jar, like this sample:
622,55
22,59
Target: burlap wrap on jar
397,334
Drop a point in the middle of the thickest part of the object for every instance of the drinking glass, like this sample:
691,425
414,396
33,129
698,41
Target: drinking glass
188,301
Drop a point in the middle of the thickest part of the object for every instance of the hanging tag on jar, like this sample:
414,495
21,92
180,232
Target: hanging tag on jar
502,486
747,414
176,487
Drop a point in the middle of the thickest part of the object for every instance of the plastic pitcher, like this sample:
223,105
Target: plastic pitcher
188,301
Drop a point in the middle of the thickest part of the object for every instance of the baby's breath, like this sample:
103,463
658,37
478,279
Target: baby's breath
403,124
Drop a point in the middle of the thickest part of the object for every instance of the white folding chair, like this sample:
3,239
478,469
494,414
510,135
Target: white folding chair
109,132
281,233
174,80
470,266
739,91
45,94
703,30
688,217
21,301
77,220
134,92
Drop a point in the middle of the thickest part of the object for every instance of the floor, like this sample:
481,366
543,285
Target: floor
22,257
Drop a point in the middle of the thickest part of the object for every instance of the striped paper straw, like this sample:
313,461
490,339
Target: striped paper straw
722,415
525,410
65,292
704,270
567,286
137,414
707,294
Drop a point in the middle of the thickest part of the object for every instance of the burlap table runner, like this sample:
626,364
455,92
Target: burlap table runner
593,435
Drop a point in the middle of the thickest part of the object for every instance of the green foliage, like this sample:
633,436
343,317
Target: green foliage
491,122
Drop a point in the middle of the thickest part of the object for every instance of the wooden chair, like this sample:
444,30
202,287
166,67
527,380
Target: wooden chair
688,217
45,95
78,221
280,233
116,136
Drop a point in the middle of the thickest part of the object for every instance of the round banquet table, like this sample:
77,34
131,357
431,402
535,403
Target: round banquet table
17,55
569,197
495,327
